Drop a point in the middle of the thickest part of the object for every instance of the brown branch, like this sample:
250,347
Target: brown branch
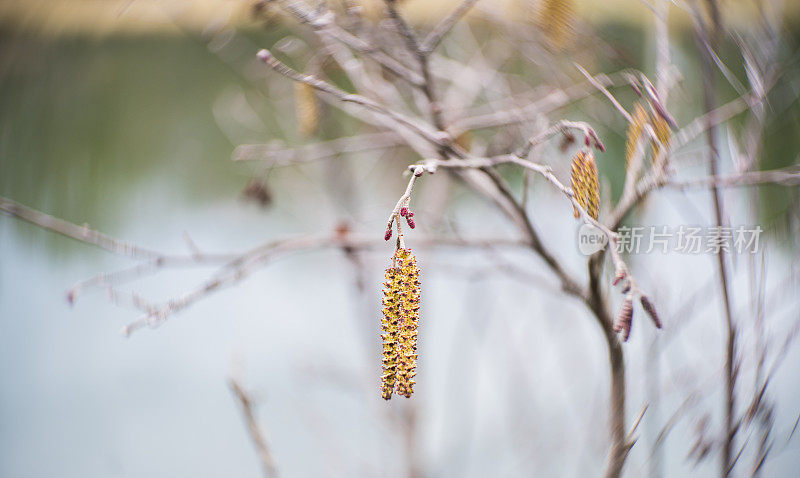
441,29
256,434
325,23
509,113
707,42
431,165
81,233
789,176
431,136
413,45
275,156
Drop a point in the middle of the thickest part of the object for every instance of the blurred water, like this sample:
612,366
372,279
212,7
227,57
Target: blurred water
121,133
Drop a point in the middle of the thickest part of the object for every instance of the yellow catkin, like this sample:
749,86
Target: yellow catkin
307,108
663,132
585,183
635,131
399,324
556,19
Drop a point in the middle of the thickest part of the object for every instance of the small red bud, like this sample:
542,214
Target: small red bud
587,141
404,211
411,223
388,234
410,214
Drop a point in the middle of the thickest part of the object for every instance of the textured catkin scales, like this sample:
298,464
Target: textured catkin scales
307,108
389,325
400,318
585,183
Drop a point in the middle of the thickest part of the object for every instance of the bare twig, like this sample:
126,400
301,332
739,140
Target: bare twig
413,45
443,27
82,233
256,433
431,165
605,92
275,156
325,22
277,65
708,41
783,177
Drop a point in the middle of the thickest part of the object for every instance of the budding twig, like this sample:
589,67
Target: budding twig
401,209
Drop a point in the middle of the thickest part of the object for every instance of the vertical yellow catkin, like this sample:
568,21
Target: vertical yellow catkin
399,324
585,183
307,108
635,131
556,22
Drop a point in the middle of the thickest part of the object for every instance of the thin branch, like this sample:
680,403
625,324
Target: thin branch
413,45
508,113
441,29
276,156
402,204
782,177
256,434
325,22
249,262
431,136
562,126
431,165
707,37
605,92
81,233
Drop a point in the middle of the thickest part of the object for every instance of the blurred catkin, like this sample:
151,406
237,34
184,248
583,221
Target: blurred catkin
635,131
307,108
556,18
585,184
663,132
625,318
401,295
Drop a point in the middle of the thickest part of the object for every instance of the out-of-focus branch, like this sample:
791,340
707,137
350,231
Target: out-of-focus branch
443,27
82,233
563,126
782,177
660,177
233,268
510,113
707,37
605,92
267,57
256,433
275,156
431,165
413,45
325,22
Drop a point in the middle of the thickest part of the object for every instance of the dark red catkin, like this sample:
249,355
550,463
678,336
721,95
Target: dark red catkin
651,311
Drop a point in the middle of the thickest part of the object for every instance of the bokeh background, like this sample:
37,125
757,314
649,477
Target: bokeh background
125,115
